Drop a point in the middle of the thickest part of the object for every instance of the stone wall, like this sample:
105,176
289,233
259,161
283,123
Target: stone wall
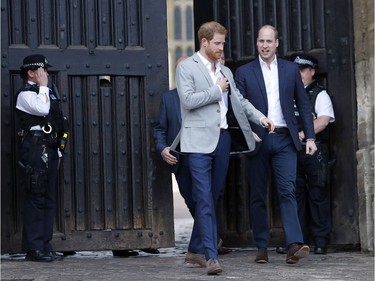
363,13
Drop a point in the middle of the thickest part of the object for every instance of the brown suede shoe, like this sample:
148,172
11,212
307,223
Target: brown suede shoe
262,256
213,267
297,252
195,259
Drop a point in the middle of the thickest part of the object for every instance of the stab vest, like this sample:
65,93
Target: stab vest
312,92
54,117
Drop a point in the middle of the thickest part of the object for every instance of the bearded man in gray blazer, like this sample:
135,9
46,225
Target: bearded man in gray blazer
210,106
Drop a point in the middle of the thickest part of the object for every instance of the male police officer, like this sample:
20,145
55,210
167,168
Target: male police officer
312,190
42,124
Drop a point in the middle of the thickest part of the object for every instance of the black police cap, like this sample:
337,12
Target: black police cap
34,62
304,60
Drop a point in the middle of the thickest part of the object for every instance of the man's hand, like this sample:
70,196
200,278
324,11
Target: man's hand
223,83
267,123
256,137
310,147
301,135
168,157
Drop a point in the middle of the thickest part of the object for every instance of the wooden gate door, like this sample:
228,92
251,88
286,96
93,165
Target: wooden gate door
110,64
324,29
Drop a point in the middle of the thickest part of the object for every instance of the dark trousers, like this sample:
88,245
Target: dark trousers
278,152
40,198
208,174
313,194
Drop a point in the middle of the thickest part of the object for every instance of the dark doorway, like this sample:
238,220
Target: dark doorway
323,28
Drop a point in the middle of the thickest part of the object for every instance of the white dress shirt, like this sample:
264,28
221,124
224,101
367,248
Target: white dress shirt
37,104
271,80
224,98
324,107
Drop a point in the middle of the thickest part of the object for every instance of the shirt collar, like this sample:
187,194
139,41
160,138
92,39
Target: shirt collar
208,64
264,64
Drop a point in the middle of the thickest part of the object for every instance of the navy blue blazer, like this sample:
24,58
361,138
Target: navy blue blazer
250,82
169,122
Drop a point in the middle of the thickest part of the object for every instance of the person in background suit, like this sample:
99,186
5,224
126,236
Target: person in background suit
272,85
165,131
207,91
222,59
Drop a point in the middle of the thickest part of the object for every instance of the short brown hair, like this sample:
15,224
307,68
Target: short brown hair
208,29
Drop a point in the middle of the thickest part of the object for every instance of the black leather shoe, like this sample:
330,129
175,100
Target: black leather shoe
223,250
281,250
320,250
124,253
69,253
38,256
55,255
151,251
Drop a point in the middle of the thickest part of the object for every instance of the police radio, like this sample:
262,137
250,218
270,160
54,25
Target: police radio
65,123
65,134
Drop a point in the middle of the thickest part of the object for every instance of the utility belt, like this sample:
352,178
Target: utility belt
42,134
51,139
41,137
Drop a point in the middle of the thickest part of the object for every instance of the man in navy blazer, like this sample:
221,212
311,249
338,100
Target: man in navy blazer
166,129
272,85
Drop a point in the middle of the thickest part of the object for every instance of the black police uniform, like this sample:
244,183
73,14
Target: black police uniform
312,191
39,158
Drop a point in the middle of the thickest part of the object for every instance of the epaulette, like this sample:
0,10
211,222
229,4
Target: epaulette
31,87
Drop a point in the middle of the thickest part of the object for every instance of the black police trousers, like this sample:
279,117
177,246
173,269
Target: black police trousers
313,194
40,194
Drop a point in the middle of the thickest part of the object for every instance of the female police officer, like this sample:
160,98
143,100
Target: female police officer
41,122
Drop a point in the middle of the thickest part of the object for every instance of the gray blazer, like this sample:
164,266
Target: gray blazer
200,110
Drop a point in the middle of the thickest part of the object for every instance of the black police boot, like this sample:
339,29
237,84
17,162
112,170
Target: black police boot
38,256
124,253
320,250
151,251
55,255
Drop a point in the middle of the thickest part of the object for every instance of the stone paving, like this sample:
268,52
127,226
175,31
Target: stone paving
169,265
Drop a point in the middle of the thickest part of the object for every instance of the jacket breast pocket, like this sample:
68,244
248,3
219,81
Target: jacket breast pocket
195,124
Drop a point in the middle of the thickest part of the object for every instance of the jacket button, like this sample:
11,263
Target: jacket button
218,111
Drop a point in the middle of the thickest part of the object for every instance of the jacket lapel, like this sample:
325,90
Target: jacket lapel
177,105
202,68
259,76
282,80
